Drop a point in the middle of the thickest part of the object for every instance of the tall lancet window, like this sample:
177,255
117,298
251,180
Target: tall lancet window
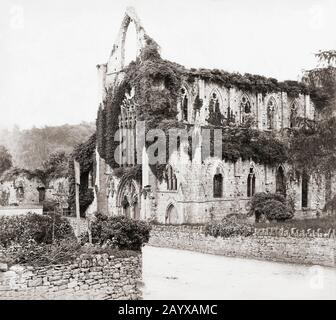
171,178
251,183
184,104
293,116
271,107
245,108
280,181
218,186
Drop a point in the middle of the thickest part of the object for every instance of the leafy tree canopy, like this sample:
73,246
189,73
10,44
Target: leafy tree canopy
5,159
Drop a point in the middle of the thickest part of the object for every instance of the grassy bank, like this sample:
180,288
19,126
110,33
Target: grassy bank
323,223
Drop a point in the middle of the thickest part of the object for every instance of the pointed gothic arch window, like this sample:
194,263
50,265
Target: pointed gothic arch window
171,178
245,108
218,186
293,115
251,183
281,181
271,107
216,117
184,104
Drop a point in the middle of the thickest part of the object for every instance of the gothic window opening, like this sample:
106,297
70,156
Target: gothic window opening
171,179
245,108
293,116
128,199
251,182
184,104
218,186
42,193
281,182
271,114
231,118
20,192
305,189
215,118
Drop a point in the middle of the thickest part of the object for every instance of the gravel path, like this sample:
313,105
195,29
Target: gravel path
177,274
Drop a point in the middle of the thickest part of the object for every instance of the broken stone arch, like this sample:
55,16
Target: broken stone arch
117,57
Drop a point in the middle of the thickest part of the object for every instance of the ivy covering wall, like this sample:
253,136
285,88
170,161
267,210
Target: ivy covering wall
157,84
85,155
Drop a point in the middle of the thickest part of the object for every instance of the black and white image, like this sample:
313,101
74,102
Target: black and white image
167,150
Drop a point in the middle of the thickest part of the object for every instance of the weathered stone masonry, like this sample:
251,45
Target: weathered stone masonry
89,277
292,249
186,194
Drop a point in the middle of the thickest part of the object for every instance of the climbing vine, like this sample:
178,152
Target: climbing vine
85,155
157,84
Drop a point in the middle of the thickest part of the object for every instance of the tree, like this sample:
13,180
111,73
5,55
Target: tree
322,81
5,159
313,146
57,164
313,143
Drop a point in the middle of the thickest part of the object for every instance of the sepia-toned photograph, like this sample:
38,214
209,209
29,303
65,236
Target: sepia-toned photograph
168,151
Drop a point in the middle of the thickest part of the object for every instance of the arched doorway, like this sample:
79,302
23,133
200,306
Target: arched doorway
171,215
281,181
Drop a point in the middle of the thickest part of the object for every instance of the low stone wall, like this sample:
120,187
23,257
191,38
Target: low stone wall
313,250
89,277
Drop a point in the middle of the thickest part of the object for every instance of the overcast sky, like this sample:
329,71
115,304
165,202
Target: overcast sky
49,49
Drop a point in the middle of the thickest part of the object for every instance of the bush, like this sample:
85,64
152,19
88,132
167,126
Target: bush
120,232
230,226
271,206
39,228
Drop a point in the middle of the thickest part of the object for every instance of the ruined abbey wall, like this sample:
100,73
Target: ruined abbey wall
192,199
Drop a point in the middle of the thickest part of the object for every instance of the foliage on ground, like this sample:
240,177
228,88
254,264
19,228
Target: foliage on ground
230,226
60,252
34,227
119,232
323,223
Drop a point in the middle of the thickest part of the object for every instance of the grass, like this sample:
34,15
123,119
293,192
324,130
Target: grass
323,223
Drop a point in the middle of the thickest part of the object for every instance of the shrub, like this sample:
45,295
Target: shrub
271,206
230,226
39,228
120,232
